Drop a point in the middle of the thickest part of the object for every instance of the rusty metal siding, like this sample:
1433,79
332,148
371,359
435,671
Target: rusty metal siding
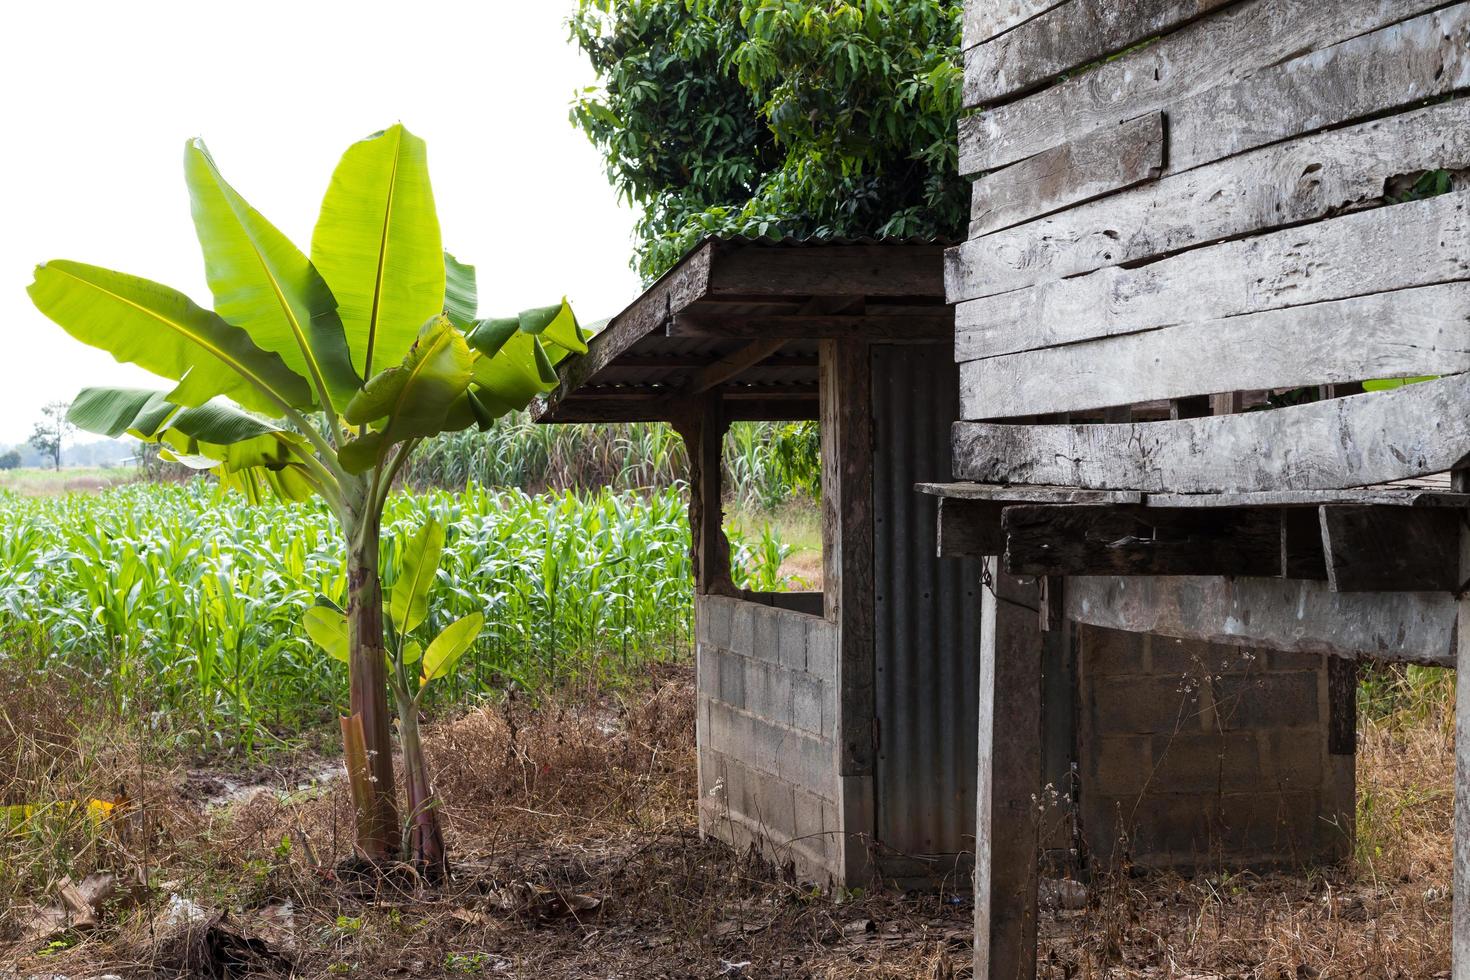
927,614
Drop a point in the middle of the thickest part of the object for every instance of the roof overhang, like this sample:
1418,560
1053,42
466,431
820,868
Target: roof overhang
744,320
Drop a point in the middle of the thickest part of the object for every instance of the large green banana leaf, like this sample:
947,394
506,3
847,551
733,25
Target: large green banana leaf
213,436
412,400
461,292
263,283
163,331
408,603
377,244
450,645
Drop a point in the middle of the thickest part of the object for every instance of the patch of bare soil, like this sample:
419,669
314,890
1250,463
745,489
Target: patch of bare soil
571,822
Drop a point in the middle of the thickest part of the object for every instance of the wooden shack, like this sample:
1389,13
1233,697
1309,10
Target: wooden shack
1206,240
836,728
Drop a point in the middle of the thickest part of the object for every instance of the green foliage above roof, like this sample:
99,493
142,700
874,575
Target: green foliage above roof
776,117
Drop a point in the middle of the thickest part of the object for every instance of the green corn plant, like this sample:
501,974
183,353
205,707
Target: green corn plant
217,647
315,376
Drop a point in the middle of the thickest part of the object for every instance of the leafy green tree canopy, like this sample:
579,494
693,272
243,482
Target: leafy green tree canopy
775,117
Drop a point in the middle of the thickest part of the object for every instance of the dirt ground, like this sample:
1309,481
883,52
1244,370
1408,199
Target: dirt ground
577,856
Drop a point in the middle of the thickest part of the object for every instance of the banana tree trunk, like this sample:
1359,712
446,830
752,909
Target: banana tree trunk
425,838
376,803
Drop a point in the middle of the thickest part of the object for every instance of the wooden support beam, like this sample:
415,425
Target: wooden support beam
798,408
702,425
1391,549
1342,706
969,528
847,560
729,367
1083,539
1460,890
926,326
1008,777
1301,544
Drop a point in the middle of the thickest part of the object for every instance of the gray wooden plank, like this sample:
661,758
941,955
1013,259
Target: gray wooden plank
1406,333
1391,549
1008,778
1345,442
1104,539
1398,247
1109,159
857,327
1082,32
1028,494
1215,51
1375,496
1397,66
1292,615
986,19
1266,188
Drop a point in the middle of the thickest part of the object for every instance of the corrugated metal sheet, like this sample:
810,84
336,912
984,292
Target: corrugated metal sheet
927,613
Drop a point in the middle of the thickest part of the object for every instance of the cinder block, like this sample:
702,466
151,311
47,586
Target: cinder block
711,765
808,762
1292,660
712,620
742,787
1110,652
718,729
829,710
763,644
806,703
1122,764
812,830
707,669
776,808
1147,704
1205,764
742,627
732,678
791,632
1268,700
821,650
1263,826
768,691
1294,761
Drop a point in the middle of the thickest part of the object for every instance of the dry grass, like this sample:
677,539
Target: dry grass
588,799
1386,916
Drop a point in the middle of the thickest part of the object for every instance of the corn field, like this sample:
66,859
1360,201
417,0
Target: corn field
766,463
191,601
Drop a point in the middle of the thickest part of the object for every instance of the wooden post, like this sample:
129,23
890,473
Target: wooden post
702,425
847,559
1460,944
1007,818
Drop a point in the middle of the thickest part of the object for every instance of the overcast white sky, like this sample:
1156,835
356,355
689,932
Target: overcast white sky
99,98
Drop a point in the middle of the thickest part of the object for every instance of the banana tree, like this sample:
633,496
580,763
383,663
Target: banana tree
320,376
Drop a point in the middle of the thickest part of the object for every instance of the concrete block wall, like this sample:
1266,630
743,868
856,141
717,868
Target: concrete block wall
767,718
1196,755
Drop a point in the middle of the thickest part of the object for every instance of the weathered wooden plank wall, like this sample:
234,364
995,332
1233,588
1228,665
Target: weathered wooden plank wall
1183,198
